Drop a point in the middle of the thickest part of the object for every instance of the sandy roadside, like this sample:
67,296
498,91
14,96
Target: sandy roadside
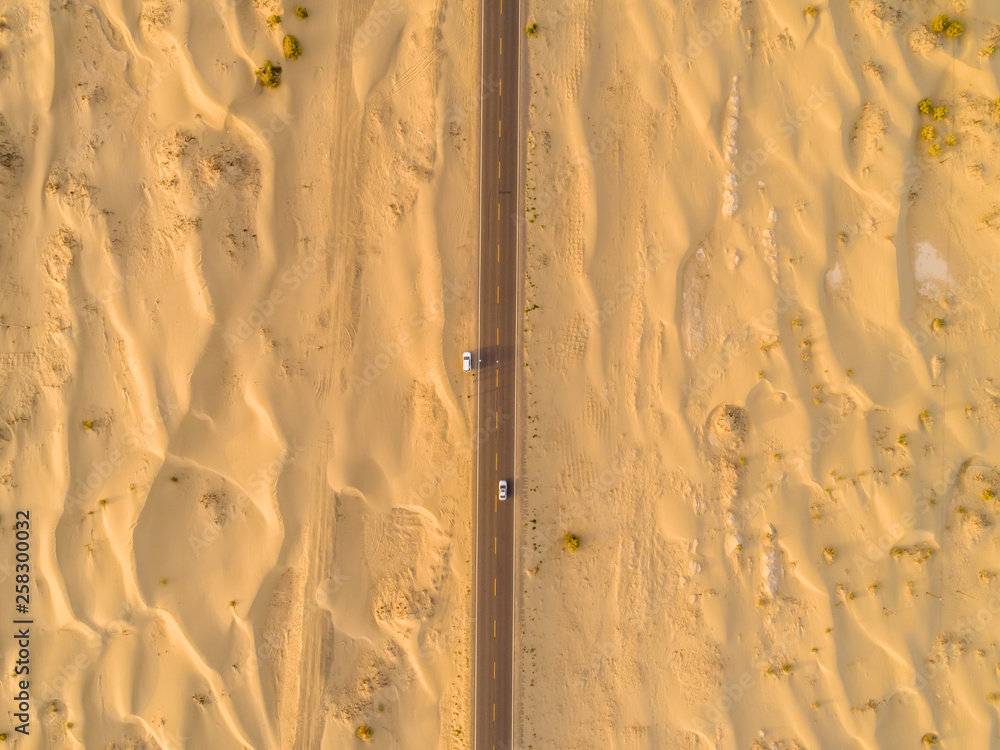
231,381
761,346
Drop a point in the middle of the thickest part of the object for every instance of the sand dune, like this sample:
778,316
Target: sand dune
759,389
230,315
760,377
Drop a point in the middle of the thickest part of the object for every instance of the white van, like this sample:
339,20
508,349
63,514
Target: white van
467,362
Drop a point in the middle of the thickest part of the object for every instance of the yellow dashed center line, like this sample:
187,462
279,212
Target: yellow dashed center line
501,45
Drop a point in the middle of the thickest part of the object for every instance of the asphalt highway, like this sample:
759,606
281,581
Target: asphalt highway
496,373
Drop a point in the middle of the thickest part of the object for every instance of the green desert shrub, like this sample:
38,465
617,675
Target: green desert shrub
531,29
572,541
292,48
364,732
269,75
301,12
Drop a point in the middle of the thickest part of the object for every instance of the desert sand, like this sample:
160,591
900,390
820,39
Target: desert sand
760,348
761,376
231,383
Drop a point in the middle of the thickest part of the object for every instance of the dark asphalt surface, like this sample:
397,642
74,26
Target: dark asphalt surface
499,328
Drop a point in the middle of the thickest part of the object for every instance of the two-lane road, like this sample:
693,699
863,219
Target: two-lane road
496,373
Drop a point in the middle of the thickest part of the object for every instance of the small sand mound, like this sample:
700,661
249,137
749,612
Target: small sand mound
727,428
395,598
11,161
156,16
879,16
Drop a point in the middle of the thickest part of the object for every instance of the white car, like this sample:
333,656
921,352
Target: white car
467,362
503,489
